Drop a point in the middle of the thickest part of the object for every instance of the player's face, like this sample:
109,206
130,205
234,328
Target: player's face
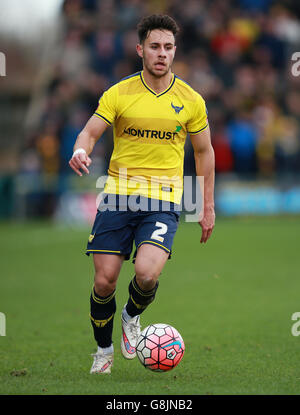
158,52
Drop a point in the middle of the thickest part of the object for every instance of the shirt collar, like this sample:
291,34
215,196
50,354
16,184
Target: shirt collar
151,90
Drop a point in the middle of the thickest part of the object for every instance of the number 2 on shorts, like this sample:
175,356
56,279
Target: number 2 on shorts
162,229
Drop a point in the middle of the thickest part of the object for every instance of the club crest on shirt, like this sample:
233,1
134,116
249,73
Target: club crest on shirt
177,109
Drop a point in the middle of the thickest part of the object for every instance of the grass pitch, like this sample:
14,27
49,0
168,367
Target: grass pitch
231,299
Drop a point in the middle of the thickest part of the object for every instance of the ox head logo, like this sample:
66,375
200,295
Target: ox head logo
177,109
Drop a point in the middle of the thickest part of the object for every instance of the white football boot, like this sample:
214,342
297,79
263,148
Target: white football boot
130,333
102,362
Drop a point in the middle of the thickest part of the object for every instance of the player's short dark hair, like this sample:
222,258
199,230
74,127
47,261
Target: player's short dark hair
156,21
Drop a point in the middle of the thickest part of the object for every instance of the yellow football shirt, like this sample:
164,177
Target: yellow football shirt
149,132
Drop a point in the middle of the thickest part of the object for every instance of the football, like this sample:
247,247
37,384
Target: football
160,347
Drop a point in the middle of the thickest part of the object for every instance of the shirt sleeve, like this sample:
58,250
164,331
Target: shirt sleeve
107,106
199,121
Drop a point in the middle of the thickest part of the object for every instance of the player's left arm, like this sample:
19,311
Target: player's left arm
205,167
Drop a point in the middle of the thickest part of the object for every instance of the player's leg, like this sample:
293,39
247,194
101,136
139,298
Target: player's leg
149,263
110,243
103,307
154,238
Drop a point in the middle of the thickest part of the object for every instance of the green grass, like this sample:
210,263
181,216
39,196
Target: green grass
231,299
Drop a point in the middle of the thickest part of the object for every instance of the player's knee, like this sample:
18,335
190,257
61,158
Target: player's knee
146,279
104,283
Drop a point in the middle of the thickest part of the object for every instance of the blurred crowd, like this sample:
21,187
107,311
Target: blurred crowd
236,54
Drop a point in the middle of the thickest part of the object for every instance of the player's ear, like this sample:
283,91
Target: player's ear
139,49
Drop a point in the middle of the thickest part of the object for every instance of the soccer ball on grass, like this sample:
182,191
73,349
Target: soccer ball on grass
160,347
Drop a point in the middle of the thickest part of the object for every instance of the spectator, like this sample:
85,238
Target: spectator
243,137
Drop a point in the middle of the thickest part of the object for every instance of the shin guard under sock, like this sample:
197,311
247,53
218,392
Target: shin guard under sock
102,317
138,299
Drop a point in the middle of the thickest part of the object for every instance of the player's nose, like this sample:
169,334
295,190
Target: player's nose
162,53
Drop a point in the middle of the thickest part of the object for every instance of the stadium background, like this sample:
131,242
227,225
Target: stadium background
237,54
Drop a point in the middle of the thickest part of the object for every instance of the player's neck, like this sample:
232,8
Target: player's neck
157,84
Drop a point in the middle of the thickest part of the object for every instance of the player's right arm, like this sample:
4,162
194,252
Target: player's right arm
86,141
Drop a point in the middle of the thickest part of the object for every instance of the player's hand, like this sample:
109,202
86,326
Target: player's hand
207,223
80,161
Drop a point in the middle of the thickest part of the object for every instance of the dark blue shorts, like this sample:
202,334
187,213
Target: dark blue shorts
114,231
